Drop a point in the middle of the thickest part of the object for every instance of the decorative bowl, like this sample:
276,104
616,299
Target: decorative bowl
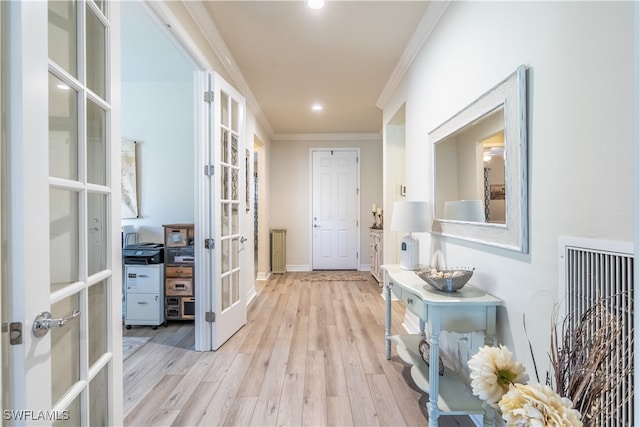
446,280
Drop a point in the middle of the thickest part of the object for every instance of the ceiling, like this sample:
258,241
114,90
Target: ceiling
290,57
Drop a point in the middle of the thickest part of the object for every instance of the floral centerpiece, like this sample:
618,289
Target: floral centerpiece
500,381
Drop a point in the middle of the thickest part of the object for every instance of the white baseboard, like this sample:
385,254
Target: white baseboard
300,267
263,275
365,267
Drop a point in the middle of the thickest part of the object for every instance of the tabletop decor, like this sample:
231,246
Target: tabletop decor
447,280
499,380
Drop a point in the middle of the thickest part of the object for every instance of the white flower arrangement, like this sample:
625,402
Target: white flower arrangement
499,380
493,370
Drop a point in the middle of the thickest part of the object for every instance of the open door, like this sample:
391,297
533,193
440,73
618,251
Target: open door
222,309
61,189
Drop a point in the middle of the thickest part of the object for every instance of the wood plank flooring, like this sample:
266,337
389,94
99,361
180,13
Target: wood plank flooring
312,354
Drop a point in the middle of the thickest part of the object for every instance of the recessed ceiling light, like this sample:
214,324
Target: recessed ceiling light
315,4
316,107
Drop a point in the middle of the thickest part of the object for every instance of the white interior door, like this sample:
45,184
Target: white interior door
222,196
335,201
62,190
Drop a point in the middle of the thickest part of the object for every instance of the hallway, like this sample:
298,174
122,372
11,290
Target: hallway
312,353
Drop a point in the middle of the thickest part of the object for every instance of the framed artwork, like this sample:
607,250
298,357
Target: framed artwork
129,203
496,192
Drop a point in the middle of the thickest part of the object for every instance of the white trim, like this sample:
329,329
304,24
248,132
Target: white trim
208,28
159,11
429,21
263,276
327,137
606,245
298,267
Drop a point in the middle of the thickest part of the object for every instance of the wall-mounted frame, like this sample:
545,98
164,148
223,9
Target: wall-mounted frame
455,168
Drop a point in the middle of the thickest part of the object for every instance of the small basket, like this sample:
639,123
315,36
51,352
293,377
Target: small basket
446,280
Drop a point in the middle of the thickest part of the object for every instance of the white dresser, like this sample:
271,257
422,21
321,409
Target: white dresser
375,252
144,296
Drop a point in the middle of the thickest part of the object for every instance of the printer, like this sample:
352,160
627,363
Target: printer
143,253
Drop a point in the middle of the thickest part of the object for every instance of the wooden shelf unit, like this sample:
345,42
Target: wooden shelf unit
179,261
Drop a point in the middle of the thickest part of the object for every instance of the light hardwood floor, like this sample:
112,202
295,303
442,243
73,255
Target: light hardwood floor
312,353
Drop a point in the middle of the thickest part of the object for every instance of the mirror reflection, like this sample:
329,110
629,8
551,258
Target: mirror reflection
470,180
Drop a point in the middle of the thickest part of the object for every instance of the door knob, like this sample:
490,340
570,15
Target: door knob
44,322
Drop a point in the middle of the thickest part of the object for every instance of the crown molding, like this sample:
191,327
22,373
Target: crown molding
426,25
208,28
327,137
159,12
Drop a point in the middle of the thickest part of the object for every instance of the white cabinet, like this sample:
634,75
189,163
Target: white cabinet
375,253
144,296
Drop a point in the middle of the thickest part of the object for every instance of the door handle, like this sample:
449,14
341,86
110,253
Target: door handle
243,239
44,322
316,226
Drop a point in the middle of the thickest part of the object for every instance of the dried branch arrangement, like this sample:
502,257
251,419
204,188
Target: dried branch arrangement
592,358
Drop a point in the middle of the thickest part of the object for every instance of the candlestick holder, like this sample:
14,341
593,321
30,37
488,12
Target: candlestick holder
377,220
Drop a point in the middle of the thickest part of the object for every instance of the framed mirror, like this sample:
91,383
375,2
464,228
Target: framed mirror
480,169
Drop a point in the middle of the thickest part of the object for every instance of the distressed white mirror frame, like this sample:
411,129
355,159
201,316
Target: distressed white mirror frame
511,95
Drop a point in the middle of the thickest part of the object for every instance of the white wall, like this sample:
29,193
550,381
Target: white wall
159,116
581,140
157,112
290,198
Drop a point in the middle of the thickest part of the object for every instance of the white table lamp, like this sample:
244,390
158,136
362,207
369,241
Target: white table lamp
411,217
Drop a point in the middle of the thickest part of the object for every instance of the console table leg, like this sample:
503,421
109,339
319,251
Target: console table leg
489,416
434,366
387,319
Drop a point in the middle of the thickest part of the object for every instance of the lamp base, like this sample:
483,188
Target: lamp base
409,253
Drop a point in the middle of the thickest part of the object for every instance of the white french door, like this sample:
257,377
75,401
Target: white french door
335,201
222,310
62,220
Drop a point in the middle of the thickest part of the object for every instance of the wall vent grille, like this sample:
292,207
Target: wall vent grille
592,270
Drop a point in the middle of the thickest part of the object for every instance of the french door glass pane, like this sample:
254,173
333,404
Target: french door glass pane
224,109
71,418
235,288
96,53
224,183
97,321
235,118
63,35
224,255
235,253
101,5
225,292
224,146
234,219
63,237
96,144
97,232
99,396
63,129
65,348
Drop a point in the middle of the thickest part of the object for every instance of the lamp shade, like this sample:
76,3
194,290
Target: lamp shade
410,216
